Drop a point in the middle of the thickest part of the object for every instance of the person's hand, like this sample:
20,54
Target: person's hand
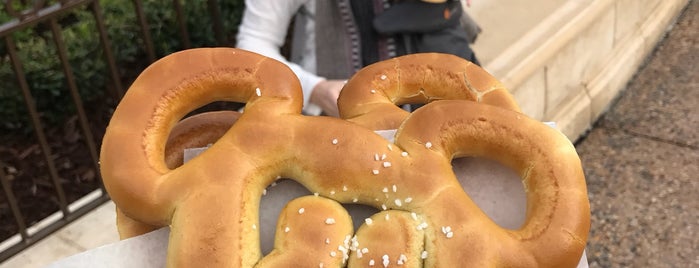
325,95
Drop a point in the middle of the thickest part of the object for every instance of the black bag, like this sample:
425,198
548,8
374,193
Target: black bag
428,27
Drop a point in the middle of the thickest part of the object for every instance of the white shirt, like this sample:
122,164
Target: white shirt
263,30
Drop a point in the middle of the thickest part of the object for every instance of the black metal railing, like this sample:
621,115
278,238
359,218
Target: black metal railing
48,15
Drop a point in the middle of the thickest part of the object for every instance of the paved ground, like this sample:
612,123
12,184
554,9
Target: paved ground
642,161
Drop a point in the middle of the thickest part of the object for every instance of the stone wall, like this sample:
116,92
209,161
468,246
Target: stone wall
573,64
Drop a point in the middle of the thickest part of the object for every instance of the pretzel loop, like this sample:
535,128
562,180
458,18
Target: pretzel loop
371,95
162,95
557,207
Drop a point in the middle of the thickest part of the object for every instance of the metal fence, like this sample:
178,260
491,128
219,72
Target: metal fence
47,15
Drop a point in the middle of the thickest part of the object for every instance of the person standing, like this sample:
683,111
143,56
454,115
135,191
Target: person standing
333,39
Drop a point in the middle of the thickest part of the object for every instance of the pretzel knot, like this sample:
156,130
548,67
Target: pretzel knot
426,219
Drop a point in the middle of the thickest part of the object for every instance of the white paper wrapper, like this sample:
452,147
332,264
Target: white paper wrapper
496,189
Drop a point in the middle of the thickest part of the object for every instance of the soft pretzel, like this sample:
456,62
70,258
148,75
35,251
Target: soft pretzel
371,96
197,131
211,202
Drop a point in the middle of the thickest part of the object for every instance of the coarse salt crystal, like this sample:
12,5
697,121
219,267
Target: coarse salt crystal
402,259
333,253
368,221
287,229
301,210
383,206
385,189
372,91
327,241
386,164
371,262
404,154
387,217
398,202
423,255
395,188
408,200
329,221
344,188
383,77
258,92
335,141
428,145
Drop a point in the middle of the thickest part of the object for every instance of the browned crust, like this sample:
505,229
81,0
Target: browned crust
212,201
373,93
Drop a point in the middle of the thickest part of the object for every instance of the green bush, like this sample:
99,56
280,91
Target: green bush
42,67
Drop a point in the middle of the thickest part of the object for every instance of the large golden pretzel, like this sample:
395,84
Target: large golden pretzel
426,219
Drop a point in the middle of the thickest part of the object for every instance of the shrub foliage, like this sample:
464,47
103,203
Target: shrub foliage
42,68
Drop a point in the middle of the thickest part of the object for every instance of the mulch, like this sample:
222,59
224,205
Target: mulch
27,172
